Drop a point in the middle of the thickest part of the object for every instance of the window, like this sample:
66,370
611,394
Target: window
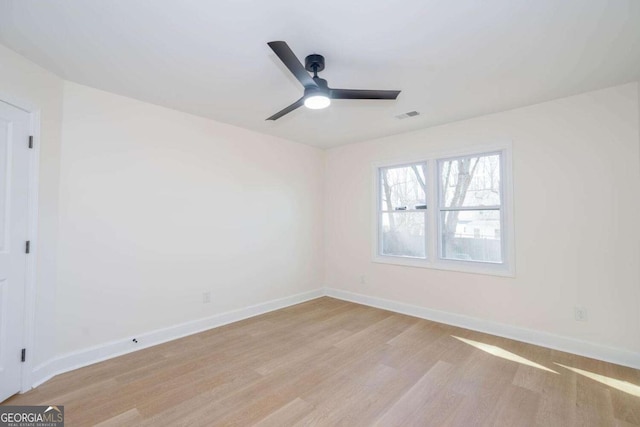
470,198
469,226
403,205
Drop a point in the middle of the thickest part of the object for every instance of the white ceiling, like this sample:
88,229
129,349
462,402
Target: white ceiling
451,59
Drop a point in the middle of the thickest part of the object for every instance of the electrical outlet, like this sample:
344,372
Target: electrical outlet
580,314
363,280
206,297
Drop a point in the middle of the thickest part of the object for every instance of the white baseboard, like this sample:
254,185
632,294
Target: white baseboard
544,339
78,359
89,356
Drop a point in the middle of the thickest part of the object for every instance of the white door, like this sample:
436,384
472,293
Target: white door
14,172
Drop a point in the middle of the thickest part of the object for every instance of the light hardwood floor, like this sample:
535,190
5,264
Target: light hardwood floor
330,362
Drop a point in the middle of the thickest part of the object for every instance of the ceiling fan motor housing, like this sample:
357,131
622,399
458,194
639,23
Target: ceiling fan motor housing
314,63
317,91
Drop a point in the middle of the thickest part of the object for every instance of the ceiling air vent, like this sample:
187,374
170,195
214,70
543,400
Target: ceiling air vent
407,115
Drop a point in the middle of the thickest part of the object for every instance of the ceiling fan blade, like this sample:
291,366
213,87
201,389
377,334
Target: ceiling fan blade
287,110
363,94
289,59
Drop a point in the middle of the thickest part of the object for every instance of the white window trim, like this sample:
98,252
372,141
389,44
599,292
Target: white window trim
433,261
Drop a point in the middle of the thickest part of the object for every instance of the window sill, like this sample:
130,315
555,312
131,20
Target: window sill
500,270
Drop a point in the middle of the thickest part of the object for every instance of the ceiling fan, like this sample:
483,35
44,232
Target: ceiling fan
317,94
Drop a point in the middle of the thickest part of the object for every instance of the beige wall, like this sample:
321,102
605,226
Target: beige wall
26,84
159,206
577,184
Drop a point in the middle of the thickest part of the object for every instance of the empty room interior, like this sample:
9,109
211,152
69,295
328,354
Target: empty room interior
279,213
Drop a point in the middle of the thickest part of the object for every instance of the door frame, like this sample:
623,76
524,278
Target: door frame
28,339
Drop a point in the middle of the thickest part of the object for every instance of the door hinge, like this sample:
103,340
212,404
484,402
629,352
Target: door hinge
30,141
23,355
27,247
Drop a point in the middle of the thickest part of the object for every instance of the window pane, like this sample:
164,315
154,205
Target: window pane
471,235
403,234
471,181
403,188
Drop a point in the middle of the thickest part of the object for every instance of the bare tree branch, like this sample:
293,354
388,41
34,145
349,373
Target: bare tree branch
387,197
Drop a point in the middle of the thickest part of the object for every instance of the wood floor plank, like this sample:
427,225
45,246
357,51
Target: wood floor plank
593,403
287,415
516,407
415,398
328,362
130,417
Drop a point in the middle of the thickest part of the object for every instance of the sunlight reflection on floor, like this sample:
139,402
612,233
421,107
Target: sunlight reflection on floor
499,352
624,386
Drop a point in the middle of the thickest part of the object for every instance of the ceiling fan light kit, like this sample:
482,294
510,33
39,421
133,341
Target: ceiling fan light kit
316,101
317,93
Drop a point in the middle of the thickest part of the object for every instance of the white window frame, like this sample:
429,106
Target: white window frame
432,228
